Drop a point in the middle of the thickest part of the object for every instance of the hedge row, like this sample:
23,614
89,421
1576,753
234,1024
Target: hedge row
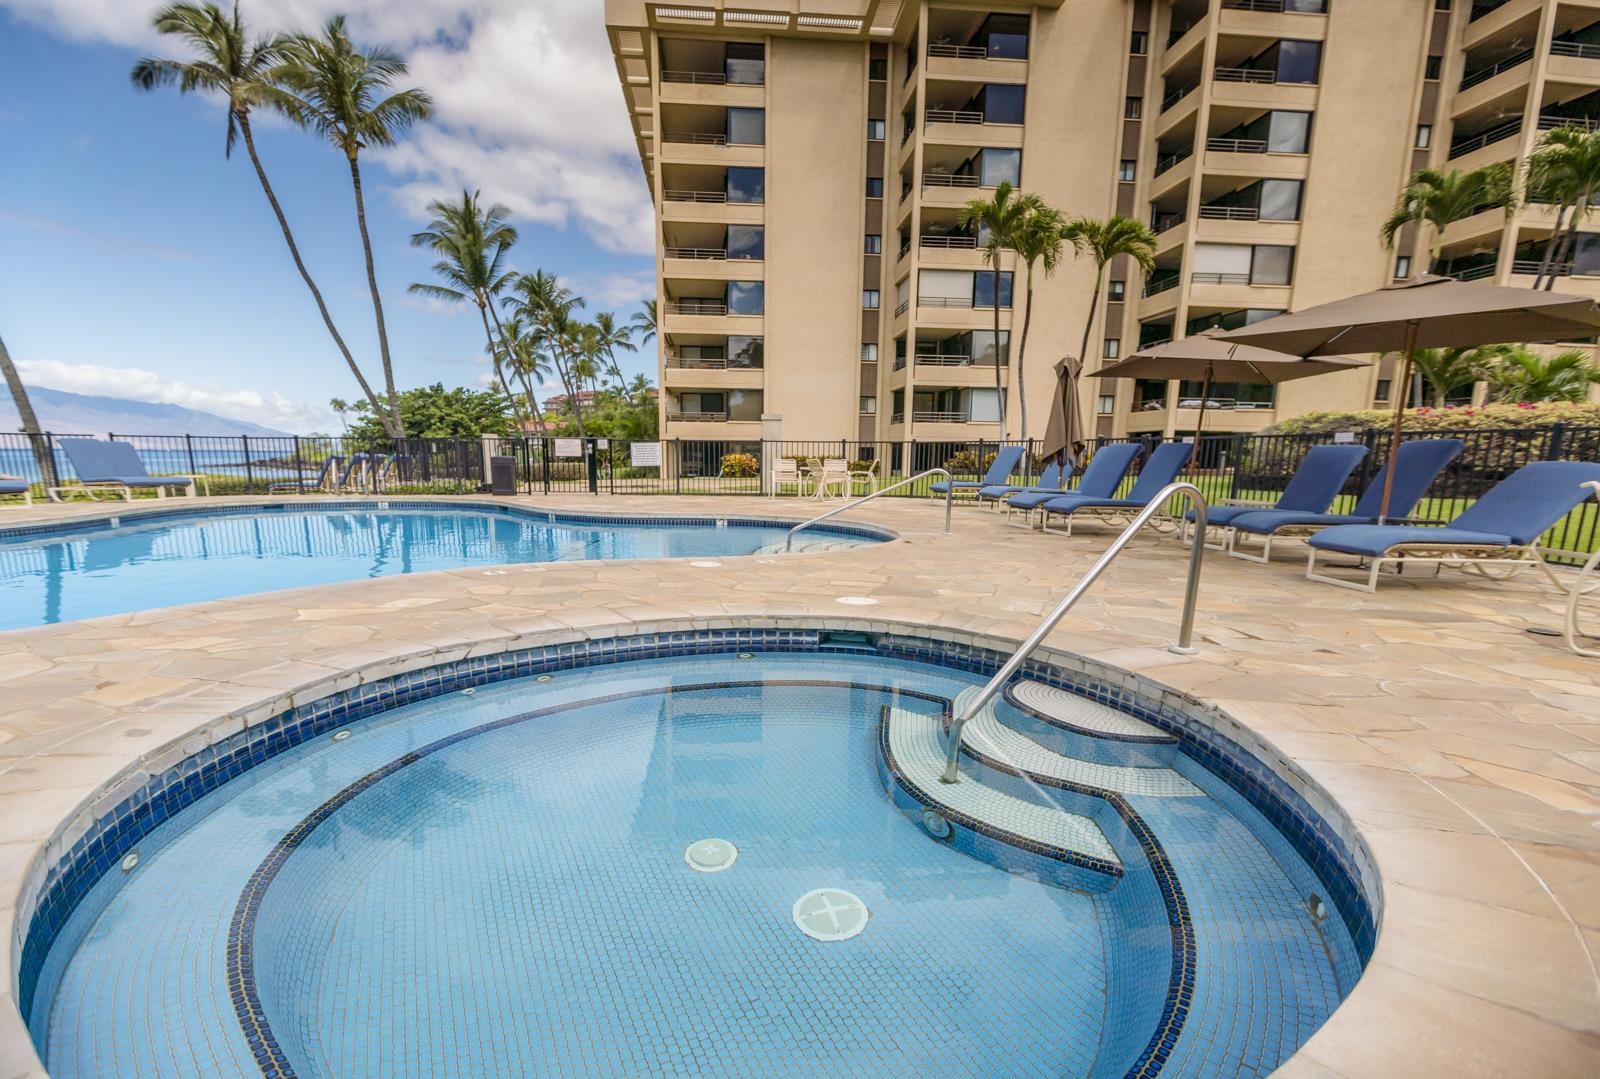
1483,418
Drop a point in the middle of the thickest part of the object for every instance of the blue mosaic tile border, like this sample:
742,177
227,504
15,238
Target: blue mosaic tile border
132,516
1323,849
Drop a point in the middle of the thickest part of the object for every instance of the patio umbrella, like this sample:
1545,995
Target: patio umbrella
1217,360
1425,312
1066,417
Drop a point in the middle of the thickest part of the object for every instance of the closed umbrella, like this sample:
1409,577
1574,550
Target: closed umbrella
1065,428
1425,312
1214,359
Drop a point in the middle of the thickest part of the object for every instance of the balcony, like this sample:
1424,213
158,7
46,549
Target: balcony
697,417
1244,74
948,179
683,195
1484,74
1175,96
1474,143
698,254
1271,7
696,307
1237,146
1575,48
940,417
1163,164
1230,213
959,52
1219,279
695,138
951,116
1162,282
948,241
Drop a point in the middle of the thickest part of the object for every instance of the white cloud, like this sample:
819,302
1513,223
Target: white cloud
269,409
529,108
619,292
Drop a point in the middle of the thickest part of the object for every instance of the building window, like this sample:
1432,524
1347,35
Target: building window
869,299
1112,349
1271,264
1107,405
1434,67
1140,43
1382,392
1441,5
1116,291
874,244
747,127
1125,171
1402,266
869,352
746,242
1003,103
875,130
1424,136
995,166
874,187
1288,132
983,289
746,184
878,70
1279,200
746,297
869,406
1132,108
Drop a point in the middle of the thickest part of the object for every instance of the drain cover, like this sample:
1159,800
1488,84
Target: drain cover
710,855
830,914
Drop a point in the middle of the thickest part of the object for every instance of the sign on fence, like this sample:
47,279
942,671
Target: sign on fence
569,447
645,454
1342,437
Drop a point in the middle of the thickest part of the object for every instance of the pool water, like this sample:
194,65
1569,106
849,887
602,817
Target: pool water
78,572
494,884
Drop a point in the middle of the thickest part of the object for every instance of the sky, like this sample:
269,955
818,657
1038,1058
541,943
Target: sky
137,260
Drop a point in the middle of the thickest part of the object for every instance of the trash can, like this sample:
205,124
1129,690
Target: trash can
502,475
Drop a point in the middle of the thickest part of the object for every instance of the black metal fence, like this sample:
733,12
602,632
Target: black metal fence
1227,465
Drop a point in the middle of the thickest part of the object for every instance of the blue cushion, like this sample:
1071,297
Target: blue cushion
960,485
1374,540
1106,469
1419,462
1005,463
1531,499
1069,503
1266,522
146,481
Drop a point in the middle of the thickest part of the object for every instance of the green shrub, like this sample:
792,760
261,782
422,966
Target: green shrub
740,465
966,463
1465,418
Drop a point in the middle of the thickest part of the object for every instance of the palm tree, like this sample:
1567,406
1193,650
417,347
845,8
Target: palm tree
29,418
610,337
543,301
1103,241
1445,370
340,407
472,241
1437,198
526,361
1565,169
1037,240
644,322
1524,375
344,95
996,220
229,64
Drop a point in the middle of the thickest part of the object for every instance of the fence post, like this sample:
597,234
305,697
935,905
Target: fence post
592,464
188,448
299,467
1554,447
249,472
677,466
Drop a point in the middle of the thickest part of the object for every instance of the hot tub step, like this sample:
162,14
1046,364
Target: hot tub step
1081,715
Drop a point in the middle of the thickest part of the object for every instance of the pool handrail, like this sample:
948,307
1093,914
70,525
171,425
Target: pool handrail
1182,646
949,502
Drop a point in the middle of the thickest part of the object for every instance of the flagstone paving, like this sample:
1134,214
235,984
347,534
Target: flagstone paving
1465,749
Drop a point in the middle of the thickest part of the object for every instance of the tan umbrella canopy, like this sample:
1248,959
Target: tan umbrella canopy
1424,312
1217,360
1066,416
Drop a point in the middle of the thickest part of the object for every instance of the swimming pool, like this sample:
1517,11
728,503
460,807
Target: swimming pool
59,573
495,869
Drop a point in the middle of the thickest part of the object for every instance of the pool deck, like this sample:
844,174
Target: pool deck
1466,749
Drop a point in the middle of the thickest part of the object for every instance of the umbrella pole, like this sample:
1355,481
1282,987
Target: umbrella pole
1200,420
1401,387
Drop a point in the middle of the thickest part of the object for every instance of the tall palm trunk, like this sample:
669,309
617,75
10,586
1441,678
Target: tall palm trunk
495,353
558,353
1022,360
1564,252
397,430
1547,260
999,387
1094,305
524,377
305,275
29,418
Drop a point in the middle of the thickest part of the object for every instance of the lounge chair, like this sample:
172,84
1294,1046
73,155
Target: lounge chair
1052,480
834,477
1312,489
300,485
1161,469
1005,463
1503,526
1419,464
354,475
785,472
1100,480
380,471
16,487
115,467
868,476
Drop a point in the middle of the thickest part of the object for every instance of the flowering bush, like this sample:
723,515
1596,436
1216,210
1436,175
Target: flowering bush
1465,418
966,463
740,465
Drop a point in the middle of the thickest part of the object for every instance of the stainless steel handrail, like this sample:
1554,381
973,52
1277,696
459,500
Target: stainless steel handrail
949,502
1183,646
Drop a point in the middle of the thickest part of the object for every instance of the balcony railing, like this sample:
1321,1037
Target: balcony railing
1175,35
949,179
1272,6
696,307
1475,273
1484,74
959,52
708,254
673,195
1575,48
1162,222
925,359
1175,96
902,307
698,417
952,116
695,138
1463,147
1219,279
708,363
948,241
1165,163
1157,285
1550,123
1244,74
1230,213
712,78
940,417
1237,146
898,417
945,301
1530,267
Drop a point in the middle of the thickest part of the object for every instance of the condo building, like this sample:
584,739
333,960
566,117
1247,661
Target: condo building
809,159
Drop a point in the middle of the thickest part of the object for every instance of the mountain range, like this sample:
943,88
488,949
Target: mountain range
83,414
